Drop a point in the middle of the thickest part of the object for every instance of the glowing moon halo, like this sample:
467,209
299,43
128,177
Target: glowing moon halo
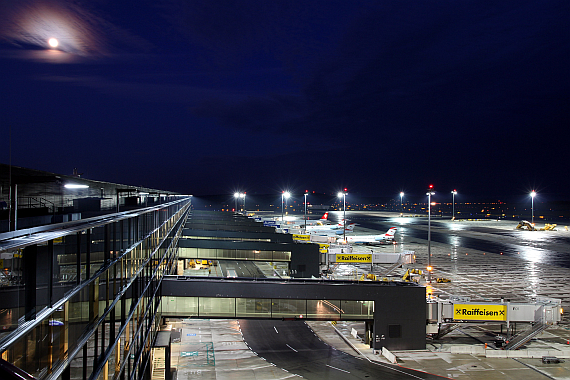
53,42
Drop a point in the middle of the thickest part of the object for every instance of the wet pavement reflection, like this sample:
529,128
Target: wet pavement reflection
547,247
485,259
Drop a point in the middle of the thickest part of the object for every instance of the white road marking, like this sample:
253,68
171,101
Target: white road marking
291,348
337,368
276,329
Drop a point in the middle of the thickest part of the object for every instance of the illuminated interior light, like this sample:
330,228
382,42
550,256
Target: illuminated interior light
75,186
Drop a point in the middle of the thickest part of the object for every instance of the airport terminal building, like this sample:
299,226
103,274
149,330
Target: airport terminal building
92,272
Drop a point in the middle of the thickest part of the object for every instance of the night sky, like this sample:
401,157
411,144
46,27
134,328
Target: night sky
209,97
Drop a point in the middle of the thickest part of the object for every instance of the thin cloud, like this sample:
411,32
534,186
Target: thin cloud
30,23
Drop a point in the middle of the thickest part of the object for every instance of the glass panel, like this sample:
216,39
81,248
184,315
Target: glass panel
263,255
226,253
253,307
208,253
281,256
180,306
246,254
357,310
219,307
288,308
323,309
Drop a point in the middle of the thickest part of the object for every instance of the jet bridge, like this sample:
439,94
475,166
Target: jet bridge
342,256
444,315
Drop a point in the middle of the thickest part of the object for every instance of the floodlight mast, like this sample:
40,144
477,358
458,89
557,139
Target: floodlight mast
454,193
306,193
343,195
242,195
429,268
284,195
532,195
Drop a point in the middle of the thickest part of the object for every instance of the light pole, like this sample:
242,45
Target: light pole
236,196
284,195
532,195
306,193
401,202
454,192
343,195
242,195
429,194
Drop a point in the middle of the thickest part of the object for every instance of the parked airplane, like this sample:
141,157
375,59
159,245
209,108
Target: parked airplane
294,220
331,230
310,222
327,227
388,237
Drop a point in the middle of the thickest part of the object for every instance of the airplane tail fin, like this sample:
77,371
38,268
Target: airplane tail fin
391,231
325,216
350,227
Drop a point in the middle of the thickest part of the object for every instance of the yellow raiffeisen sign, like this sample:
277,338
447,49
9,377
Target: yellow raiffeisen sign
480,312
302,237
323,248
354,258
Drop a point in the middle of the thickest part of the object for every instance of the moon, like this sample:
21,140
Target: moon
53,42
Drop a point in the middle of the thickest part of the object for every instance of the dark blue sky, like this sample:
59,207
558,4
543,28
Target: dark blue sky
209,97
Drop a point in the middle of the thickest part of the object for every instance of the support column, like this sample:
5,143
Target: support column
29,272
51,267
14,207
78,253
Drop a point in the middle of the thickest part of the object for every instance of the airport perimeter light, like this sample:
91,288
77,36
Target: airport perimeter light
454,193
532,195
284,195
429,267
401,202
306,193
236,196
343,195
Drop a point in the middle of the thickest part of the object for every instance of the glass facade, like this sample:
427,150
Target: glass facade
84,302
208,307
233,254
224,238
